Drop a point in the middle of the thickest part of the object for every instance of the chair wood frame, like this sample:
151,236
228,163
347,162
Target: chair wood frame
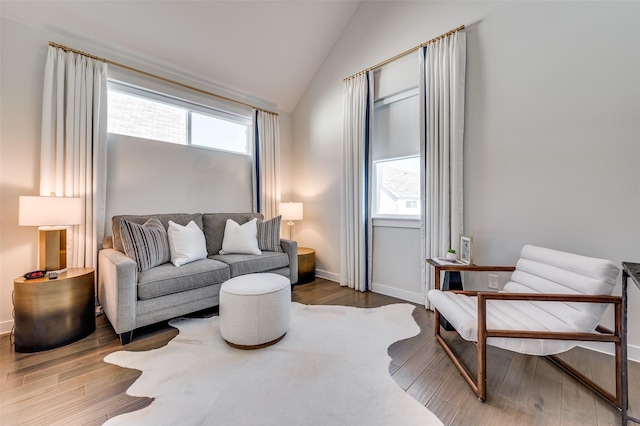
478,385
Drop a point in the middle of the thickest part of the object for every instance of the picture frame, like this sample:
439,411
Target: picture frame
466,249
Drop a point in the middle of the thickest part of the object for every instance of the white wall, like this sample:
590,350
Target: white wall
552,124
23,53
147,177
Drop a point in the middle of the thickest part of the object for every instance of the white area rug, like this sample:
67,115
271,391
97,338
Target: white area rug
331,368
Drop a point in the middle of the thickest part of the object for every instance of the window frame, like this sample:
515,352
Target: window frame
190,106
374,193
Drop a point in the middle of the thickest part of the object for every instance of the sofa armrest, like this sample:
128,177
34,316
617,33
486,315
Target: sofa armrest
291,248
117,289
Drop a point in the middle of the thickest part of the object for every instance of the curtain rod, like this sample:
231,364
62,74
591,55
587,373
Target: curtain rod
400,55
148,74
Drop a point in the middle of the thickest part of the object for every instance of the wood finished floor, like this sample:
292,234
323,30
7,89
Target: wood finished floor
73,386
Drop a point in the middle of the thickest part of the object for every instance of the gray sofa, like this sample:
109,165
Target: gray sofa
132,299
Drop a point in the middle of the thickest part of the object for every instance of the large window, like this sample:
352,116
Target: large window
396,156
144,114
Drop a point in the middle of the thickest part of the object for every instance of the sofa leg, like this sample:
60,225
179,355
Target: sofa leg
125,338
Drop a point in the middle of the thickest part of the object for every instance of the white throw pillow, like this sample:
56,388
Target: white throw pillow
186,243
240,239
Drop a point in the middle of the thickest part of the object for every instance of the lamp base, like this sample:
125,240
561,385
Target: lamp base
292,230
53,249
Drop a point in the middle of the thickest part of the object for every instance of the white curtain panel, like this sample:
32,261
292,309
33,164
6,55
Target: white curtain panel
355,243
268,163
442,88
73,154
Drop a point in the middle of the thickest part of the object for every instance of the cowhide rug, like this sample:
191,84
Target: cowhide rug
332,368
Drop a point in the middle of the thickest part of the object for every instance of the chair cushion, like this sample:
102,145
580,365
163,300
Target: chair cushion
462,313
543,270
167,278
242,264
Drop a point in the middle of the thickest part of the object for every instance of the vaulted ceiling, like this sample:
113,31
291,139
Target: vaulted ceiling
268,50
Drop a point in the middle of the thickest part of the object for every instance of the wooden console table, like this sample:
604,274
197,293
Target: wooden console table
439,267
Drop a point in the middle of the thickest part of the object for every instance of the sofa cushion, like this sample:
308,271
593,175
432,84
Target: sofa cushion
241,264
240,239
168,279
214,224
269,234
180,218
186,243
147,244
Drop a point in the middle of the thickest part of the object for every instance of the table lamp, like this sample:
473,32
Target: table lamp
291,211
51,215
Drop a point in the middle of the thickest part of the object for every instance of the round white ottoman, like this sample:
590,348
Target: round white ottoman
255,310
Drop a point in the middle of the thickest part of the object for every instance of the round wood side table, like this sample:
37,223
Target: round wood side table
306,265
52,313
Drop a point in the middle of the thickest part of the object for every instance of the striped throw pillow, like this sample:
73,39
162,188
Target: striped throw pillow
147,244
269,234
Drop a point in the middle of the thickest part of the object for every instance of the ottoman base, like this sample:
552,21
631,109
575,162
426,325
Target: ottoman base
250,347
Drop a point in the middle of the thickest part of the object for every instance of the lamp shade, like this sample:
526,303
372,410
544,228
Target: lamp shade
49,211
291,211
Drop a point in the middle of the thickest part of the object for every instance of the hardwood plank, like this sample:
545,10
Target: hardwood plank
602,367
418,365
516,383
545,393
12,395
496,411
578,403
454,389
443,409
38,409
428,383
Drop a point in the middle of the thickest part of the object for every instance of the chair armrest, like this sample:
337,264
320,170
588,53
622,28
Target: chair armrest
540,297
613,337
117,289
291,248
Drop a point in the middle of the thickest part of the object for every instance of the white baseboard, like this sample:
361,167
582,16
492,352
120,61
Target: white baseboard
6,326
633,352
399,293
378,288
328,275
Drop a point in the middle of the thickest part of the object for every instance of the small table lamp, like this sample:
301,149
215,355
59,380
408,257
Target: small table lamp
51,215
291,211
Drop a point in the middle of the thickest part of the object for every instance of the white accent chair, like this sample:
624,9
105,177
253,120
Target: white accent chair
553,301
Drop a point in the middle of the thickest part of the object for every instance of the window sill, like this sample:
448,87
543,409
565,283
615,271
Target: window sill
396,222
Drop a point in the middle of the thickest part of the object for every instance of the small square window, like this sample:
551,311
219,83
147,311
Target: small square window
397,187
